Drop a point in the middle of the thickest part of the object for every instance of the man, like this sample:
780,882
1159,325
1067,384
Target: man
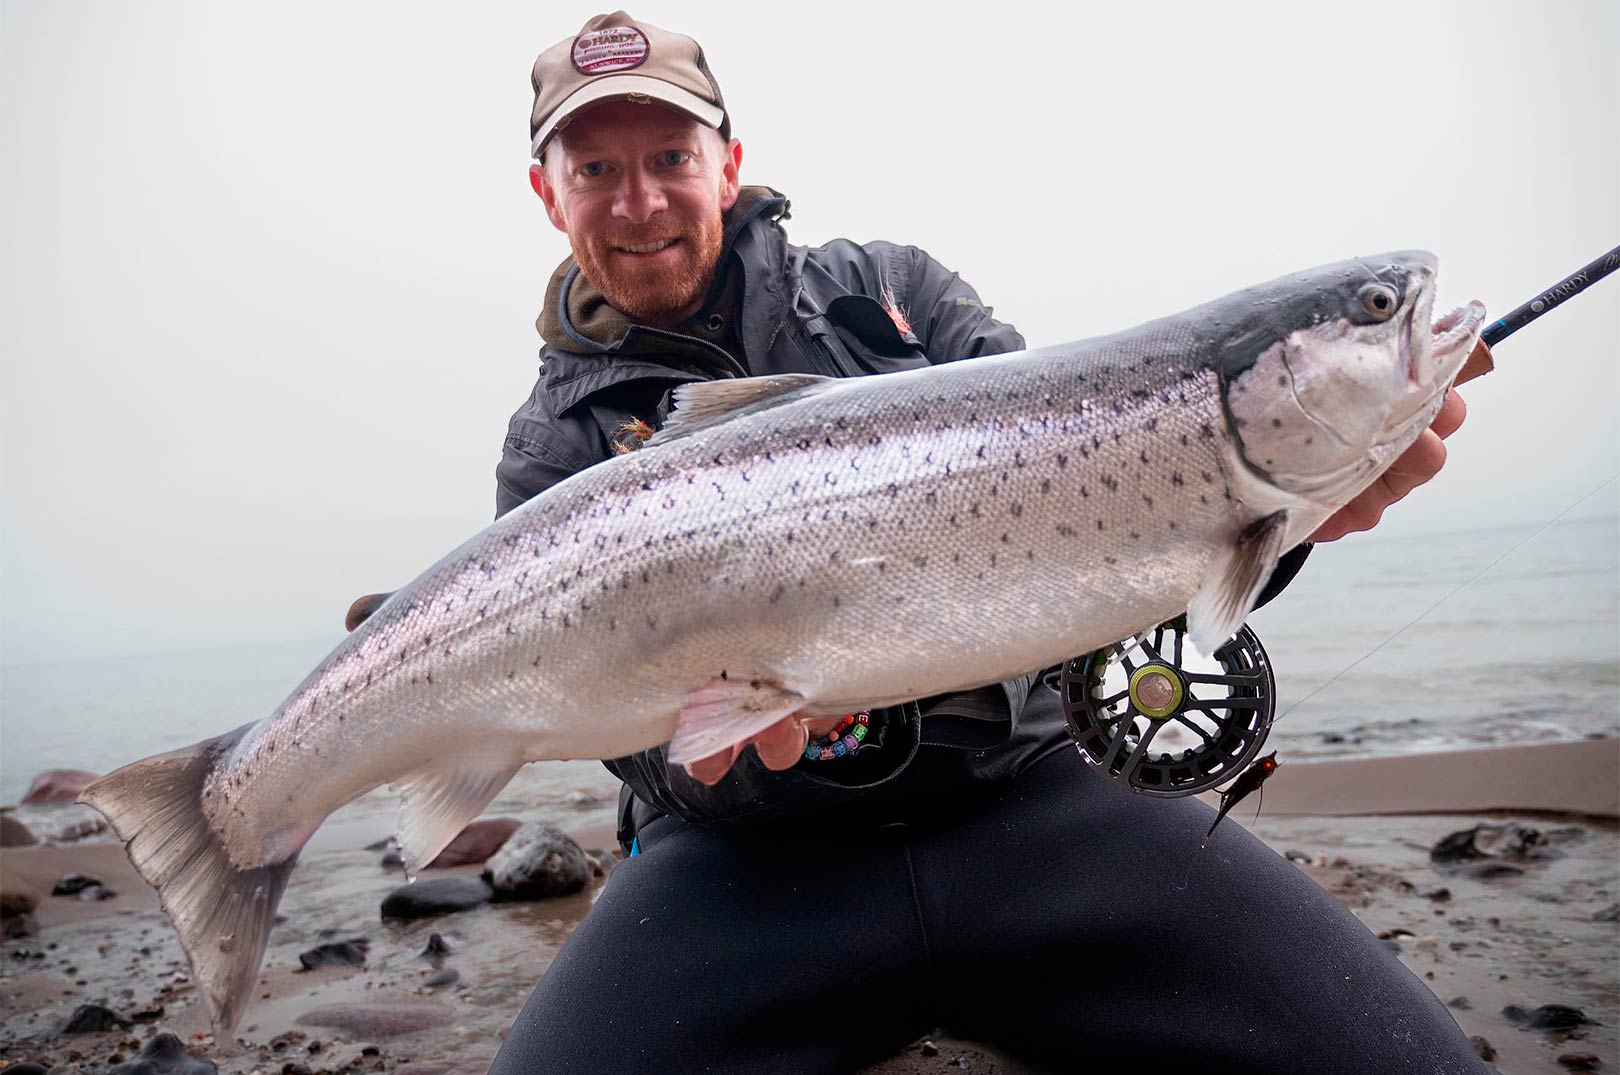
801,910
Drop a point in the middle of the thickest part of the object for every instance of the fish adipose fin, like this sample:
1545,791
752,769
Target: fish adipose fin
436,804
700,404
223,913
363,607
727,710
1235,581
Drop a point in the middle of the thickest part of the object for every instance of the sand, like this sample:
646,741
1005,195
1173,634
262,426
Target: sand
1362,829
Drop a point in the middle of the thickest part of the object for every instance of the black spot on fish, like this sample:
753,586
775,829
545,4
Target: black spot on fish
1147,500
1099,524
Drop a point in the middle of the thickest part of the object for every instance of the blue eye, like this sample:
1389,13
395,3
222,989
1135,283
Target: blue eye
593,169
674,157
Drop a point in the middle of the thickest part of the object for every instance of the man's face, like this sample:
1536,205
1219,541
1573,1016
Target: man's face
640,189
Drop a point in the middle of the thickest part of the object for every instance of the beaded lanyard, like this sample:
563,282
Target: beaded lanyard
843,740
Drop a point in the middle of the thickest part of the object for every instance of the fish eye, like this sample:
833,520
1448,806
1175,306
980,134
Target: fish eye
1379,301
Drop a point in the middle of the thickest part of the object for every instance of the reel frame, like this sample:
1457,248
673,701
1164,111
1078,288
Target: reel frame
1231,728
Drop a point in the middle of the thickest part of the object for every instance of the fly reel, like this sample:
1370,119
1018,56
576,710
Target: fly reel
1145,720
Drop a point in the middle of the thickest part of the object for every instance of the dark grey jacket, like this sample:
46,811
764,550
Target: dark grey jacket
779,308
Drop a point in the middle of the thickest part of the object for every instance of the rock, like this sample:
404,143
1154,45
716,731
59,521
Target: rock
1482,1047
14,833
379,1020
164,1055
928,1048
393,861
1547,1017
1611,913
440,979
27,1067
93,1019
539,860
342,954
59,786
437,947
1460,1004
1572,1061
441,895
16,903
601,862
72,884
476,843
95,893
1511,840
60,823
582,798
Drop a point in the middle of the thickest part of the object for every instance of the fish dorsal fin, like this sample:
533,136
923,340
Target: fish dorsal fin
725,711
437,803
363,607
1234,582
700,404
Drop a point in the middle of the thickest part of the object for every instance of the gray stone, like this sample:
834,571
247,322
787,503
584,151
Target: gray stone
441,895
538,861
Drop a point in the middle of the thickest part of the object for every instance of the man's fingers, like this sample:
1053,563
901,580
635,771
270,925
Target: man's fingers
1416,465
1451,415
709,770
781,745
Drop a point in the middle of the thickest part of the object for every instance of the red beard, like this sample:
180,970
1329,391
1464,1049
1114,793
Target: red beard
661,288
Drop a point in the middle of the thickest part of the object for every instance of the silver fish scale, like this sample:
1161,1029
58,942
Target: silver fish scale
886,538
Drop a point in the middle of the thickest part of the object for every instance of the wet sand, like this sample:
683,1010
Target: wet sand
1543,935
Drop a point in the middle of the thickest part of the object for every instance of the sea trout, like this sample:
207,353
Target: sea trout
813,546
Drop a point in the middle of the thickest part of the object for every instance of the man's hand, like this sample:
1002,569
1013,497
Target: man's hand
1416,465
780,746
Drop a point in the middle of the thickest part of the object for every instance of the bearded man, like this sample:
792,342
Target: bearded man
795,908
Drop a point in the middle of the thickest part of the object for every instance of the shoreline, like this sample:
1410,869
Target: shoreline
1535,931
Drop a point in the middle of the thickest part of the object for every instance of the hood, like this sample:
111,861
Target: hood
576,315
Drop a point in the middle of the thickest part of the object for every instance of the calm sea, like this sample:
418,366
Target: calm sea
1528,651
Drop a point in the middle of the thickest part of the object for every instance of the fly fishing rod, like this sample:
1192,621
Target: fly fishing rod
1127,703
1557,295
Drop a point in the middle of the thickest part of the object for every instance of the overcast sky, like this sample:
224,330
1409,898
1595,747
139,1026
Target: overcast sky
270,271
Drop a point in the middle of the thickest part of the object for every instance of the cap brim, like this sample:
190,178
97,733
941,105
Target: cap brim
622,87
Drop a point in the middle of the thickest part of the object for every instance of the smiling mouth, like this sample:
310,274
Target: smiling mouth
646,248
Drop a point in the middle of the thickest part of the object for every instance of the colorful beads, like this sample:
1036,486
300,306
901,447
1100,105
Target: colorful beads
843,740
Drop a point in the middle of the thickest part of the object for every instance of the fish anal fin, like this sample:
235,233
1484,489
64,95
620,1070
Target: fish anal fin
1234,582
437,803
725,711
699,404
363,607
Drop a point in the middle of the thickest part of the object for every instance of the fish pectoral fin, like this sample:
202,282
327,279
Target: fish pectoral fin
363,607
700,404
1235,580
437,803
725,711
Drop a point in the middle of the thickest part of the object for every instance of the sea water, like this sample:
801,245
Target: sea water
1527,651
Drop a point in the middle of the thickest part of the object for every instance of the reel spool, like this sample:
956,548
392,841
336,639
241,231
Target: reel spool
1145,721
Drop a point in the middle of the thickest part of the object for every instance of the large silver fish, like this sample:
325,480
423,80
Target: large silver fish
807,545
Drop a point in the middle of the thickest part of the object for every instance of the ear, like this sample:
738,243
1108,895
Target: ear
728,174
548,194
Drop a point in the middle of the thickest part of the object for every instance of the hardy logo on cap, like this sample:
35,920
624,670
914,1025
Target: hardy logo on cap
614,48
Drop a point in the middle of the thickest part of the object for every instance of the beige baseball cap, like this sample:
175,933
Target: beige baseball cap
615,58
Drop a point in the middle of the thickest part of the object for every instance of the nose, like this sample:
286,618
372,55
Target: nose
639,197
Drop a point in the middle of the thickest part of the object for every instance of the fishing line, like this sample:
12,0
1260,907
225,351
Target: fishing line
1548,526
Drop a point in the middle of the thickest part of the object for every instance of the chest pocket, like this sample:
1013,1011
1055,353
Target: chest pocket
864,338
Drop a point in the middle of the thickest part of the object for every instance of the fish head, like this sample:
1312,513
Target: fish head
1329,375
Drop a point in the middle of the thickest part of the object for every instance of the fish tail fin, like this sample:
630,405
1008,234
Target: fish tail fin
222,912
